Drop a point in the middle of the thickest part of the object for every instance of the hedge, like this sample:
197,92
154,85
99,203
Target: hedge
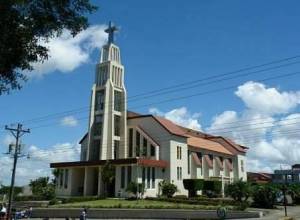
212,187
193,185
78,199
197,201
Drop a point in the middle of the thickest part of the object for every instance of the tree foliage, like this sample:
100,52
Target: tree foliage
25,24
42,187
107,175
136,189
5,190
167,189
193,185
240,191
264,195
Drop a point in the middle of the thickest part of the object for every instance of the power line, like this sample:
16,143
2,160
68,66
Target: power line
191,95
178,85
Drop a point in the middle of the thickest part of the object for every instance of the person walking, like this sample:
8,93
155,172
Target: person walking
3,211
83,214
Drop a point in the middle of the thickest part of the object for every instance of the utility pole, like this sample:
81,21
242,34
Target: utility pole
17,133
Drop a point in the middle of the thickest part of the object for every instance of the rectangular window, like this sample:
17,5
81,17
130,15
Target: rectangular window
116,149
61,178
144,147
95,153
189,161
143,175
148,177
178,153
99,102
117,124
152,149
130,142
122,177
179,173
117,101
128,175
98,125
242,165
153,177
66,178
137,144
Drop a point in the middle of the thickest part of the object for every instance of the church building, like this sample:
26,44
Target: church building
141,148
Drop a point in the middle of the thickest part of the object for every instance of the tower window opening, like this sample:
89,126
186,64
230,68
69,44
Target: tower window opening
99,102
117,101
137,144
117,125
116,149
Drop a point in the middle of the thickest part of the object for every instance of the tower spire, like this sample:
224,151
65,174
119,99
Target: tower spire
110,30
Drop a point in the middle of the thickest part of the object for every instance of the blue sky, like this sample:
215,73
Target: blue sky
164,43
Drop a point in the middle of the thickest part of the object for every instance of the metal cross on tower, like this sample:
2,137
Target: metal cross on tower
110,30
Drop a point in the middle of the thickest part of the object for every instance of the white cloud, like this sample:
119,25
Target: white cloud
67,53
270,101
38,164
180,116
264,126
69,121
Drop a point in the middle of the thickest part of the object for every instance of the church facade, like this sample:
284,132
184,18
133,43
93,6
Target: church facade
141,148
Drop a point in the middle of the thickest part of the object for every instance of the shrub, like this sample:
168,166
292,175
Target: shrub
135,188
168,189
193,185
79,199
239,190
264,196
294,191
212,188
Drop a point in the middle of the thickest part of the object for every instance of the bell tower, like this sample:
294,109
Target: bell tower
108,109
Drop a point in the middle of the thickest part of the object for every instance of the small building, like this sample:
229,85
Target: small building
142,148
288,175
259,177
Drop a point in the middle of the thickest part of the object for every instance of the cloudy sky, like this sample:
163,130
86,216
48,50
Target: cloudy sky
186,62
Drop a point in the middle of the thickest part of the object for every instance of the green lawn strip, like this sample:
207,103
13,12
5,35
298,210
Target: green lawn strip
140,204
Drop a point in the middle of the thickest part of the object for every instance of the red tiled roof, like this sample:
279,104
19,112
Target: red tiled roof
231,143
207,145
170,126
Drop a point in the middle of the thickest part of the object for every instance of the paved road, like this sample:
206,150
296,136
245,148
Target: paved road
292,211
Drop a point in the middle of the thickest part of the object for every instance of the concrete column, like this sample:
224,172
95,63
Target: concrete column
157,152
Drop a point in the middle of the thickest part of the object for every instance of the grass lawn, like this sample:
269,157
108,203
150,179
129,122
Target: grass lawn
134,204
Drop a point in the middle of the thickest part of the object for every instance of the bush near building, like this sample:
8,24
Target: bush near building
136,188
193,185
212,188
240,191
167,189
264,195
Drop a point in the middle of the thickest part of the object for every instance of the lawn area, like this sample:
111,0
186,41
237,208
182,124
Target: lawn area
135,204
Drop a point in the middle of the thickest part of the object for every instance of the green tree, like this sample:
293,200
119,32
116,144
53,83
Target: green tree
55,172
193,185
264,195
42,187
167,189
107,175
24,24
5,190
240,191
136,189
